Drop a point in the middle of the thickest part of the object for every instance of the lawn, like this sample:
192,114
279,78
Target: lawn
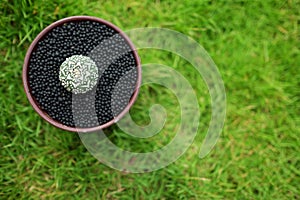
255,45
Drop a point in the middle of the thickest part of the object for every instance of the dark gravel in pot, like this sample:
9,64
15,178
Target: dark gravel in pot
114,60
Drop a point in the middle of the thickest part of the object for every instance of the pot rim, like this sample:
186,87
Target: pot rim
43,114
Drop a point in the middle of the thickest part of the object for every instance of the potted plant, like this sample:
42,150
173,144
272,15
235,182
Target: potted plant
81,74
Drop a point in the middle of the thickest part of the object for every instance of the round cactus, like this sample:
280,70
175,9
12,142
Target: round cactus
78,74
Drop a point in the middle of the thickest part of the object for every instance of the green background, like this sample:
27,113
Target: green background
255,45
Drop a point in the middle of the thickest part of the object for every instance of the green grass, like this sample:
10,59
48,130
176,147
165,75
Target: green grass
255,45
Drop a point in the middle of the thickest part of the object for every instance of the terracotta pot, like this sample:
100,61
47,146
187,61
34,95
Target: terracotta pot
32,100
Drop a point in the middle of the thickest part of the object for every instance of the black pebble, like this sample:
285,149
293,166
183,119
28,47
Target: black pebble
117,74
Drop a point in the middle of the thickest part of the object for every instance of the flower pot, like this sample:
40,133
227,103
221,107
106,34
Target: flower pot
74,70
